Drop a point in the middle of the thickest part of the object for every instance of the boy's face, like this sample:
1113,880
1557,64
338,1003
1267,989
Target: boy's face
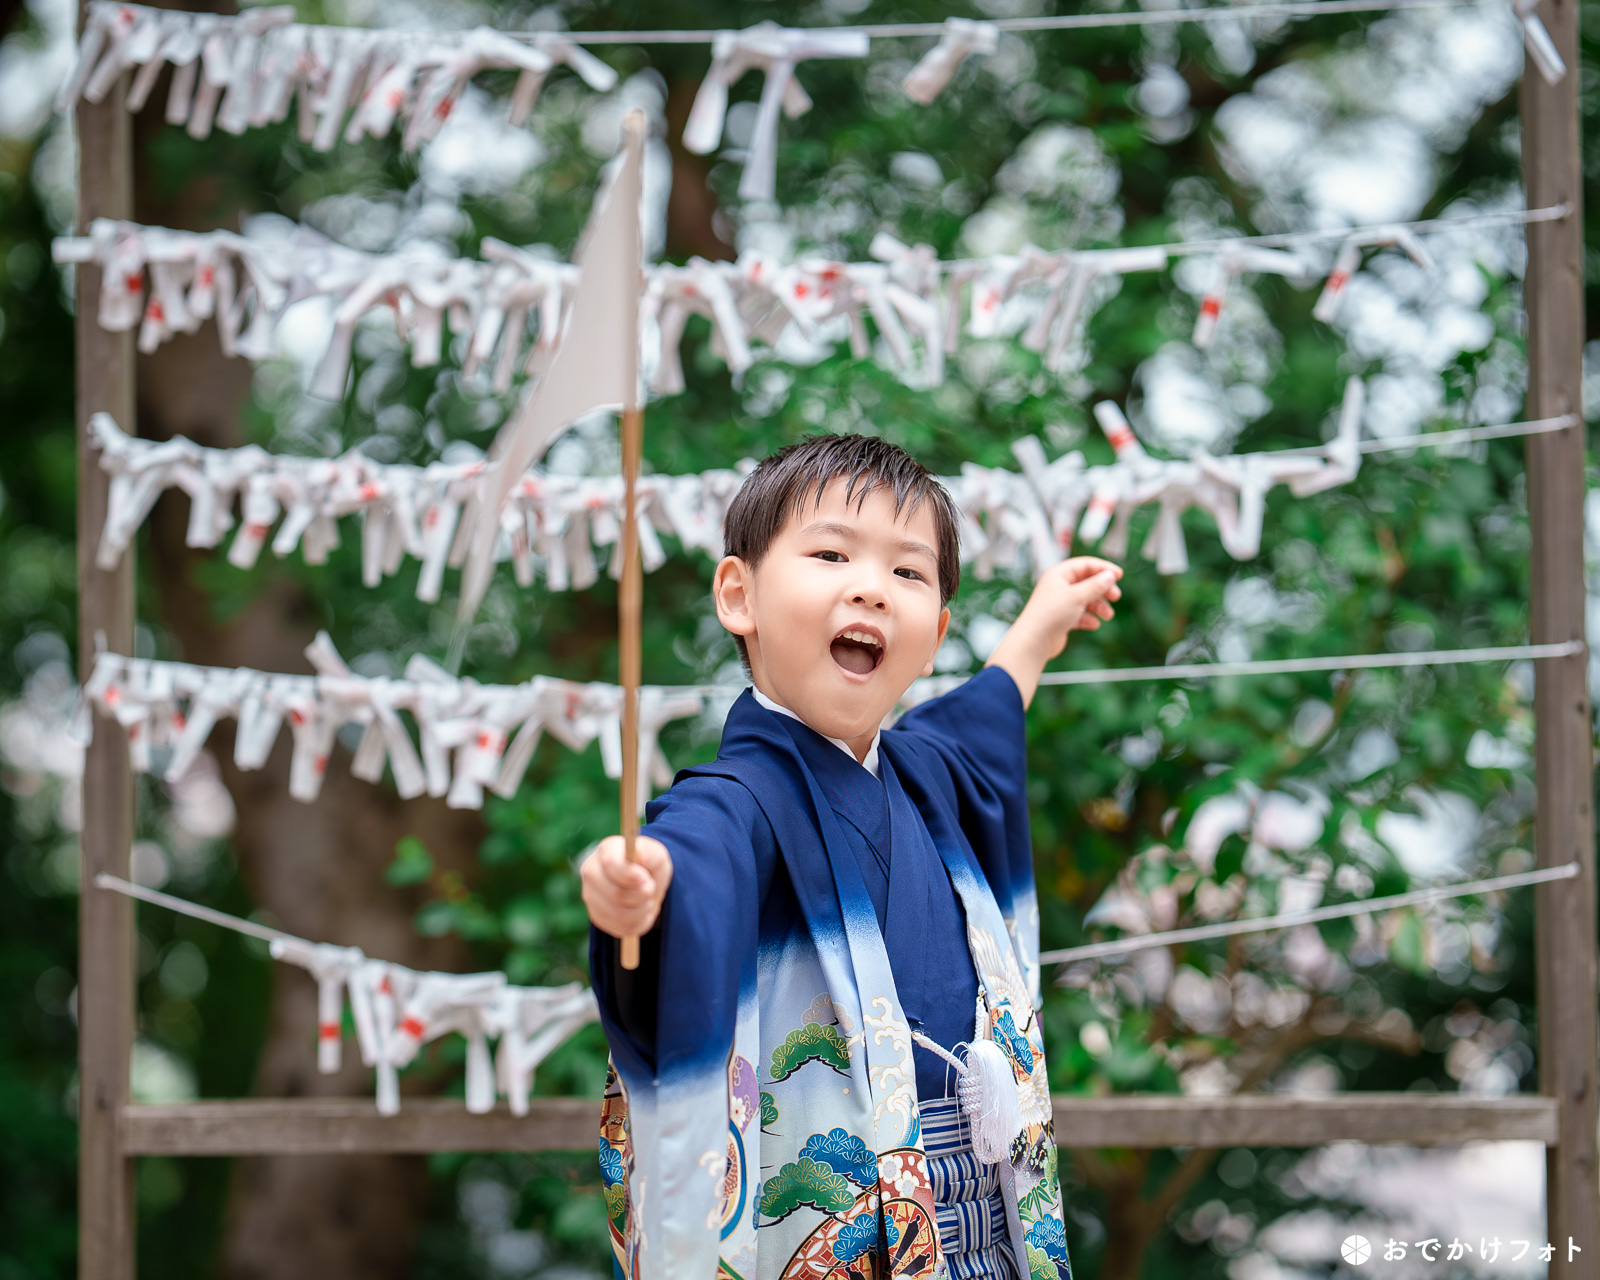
843,611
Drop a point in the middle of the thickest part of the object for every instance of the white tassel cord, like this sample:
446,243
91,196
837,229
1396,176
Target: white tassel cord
986,1089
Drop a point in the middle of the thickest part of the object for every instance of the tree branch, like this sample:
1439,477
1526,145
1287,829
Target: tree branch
1177,1186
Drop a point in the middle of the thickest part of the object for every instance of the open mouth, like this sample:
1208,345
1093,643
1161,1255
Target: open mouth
858,650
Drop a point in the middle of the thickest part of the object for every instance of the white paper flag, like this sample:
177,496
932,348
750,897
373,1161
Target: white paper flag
596,366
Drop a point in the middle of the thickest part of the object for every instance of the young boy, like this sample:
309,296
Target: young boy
824,901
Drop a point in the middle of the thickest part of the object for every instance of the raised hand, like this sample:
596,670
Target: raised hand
1075,595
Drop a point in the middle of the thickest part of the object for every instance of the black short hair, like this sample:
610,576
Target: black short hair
783,481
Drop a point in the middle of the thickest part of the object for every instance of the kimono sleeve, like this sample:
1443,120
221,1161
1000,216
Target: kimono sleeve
672,1031
972,744
676,1014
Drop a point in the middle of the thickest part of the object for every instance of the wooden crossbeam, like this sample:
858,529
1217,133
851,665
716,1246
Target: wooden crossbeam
323,1126
319,1126
1284,1120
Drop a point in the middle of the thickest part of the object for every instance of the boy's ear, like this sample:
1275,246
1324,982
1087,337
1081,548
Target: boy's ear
944,626
733,590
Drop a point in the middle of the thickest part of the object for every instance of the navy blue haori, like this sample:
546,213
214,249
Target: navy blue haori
762,1121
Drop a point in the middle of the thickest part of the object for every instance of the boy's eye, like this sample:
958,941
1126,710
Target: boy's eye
912,574
832,557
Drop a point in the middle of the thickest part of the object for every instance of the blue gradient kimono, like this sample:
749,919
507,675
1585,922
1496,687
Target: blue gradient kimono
762,1117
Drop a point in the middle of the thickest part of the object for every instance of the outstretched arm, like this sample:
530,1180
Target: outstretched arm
691,899
1074,595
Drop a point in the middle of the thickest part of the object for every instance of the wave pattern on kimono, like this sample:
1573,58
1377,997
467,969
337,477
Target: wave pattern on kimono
762,1119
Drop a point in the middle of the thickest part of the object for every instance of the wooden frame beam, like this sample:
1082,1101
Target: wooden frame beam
319,1126
1564,754
106,968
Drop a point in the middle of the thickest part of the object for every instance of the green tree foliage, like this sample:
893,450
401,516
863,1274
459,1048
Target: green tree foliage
1050,141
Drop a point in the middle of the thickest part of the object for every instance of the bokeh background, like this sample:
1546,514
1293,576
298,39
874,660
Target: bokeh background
1154,805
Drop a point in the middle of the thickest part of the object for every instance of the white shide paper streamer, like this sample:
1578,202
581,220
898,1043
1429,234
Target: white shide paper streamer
396,1010
564,523
511,304
471,737
167,709
244,71
241,71
1008,518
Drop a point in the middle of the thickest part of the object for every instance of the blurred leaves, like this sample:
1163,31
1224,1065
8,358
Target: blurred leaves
412,863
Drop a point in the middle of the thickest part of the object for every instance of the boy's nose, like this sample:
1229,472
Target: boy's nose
868,586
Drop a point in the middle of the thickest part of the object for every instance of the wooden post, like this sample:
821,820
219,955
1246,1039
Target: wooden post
106,968
630,621
1567,968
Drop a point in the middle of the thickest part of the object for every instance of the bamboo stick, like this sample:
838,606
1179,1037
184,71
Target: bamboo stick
630,619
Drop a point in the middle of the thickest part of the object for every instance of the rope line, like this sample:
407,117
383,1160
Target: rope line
1264,667
1288,919
1211,670
1090,951
1455,435
1302,666
1290,239
1065,22
1467,435
193,909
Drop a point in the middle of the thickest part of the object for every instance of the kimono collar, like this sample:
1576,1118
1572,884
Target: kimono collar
870,764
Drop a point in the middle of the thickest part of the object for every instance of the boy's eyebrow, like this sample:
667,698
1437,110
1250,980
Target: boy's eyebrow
830,529
919,549
837,529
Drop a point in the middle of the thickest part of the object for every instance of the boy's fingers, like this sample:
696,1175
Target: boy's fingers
614,909
635,917
629,898
1097,590
653,856
625,924
653,867
619,878
613,861
633,883
1080,568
